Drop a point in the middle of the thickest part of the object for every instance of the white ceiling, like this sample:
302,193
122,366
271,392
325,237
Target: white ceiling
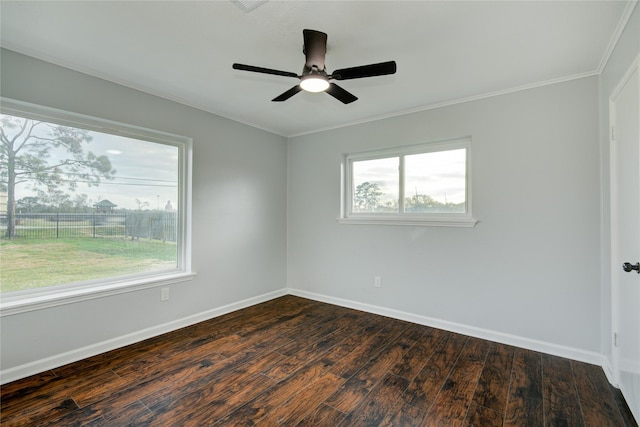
446,51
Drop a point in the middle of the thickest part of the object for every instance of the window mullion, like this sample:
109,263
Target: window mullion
401,185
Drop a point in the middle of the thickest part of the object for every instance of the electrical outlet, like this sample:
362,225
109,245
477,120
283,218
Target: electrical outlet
164,294
377,282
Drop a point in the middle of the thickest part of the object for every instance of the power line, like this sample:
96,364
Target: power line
121,183
121,177
173,185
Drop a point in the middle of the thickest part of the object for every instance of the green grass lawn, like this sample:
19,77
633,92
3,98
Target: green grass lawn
35,263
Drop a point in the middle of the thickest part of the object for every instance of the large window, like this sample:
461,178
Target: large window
88,205
428,184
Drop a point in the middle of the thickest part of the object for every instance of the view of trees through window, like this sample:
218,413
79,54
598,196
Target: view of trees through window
79,205
434,183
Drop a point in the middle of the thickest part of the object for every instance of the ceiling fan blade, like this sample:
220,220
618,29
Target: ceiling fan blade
264,70
340,94
288,94
315,48
370,70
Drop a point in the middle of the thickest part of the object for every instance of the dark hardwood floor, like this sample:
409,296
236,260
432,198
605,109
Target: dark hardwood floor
296,362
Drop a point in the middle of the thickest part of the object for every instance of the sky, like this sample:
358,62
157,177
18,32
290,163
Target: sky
146,171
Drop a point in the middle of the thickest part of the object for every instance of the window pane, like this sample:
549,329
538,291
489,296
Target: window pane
435,182
375,185
82,205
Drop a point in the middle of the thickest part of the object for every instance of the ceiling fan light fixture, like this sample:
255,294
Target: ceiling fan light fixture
314,83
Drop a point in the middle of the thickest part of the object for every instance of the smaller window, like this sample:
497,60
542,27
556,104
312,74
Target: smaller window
428,184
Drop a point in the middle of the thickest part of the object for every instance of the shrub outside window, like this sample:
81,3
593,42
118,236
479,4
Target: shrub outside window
88,204
427,184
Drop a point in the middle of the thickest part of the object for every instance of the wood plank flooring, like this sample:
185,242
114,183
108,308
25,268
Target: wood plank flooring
296,362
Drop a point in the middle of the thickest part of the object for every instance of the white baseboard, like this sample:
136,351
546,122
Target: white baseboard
514,340
607,367
58,360
32,368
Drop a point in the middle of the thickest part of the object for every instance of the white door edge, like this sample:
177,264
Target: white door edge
615,269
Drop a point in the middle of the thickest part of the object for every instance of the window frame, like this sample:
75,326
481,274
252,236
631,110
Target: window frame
347,216
34,299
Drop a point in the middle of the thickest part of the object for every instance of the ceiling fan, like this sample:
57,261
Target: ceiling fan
314,77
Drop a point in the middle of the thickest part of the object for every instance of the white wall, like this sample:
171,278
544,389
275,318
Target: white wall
239,216
626,50
529,269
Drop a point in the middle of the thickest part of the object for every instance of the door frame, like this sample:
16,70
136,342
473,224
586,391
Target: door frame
614,230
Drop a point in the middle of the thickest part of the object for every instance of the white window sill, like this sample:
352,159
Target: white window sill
416,222
10,305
